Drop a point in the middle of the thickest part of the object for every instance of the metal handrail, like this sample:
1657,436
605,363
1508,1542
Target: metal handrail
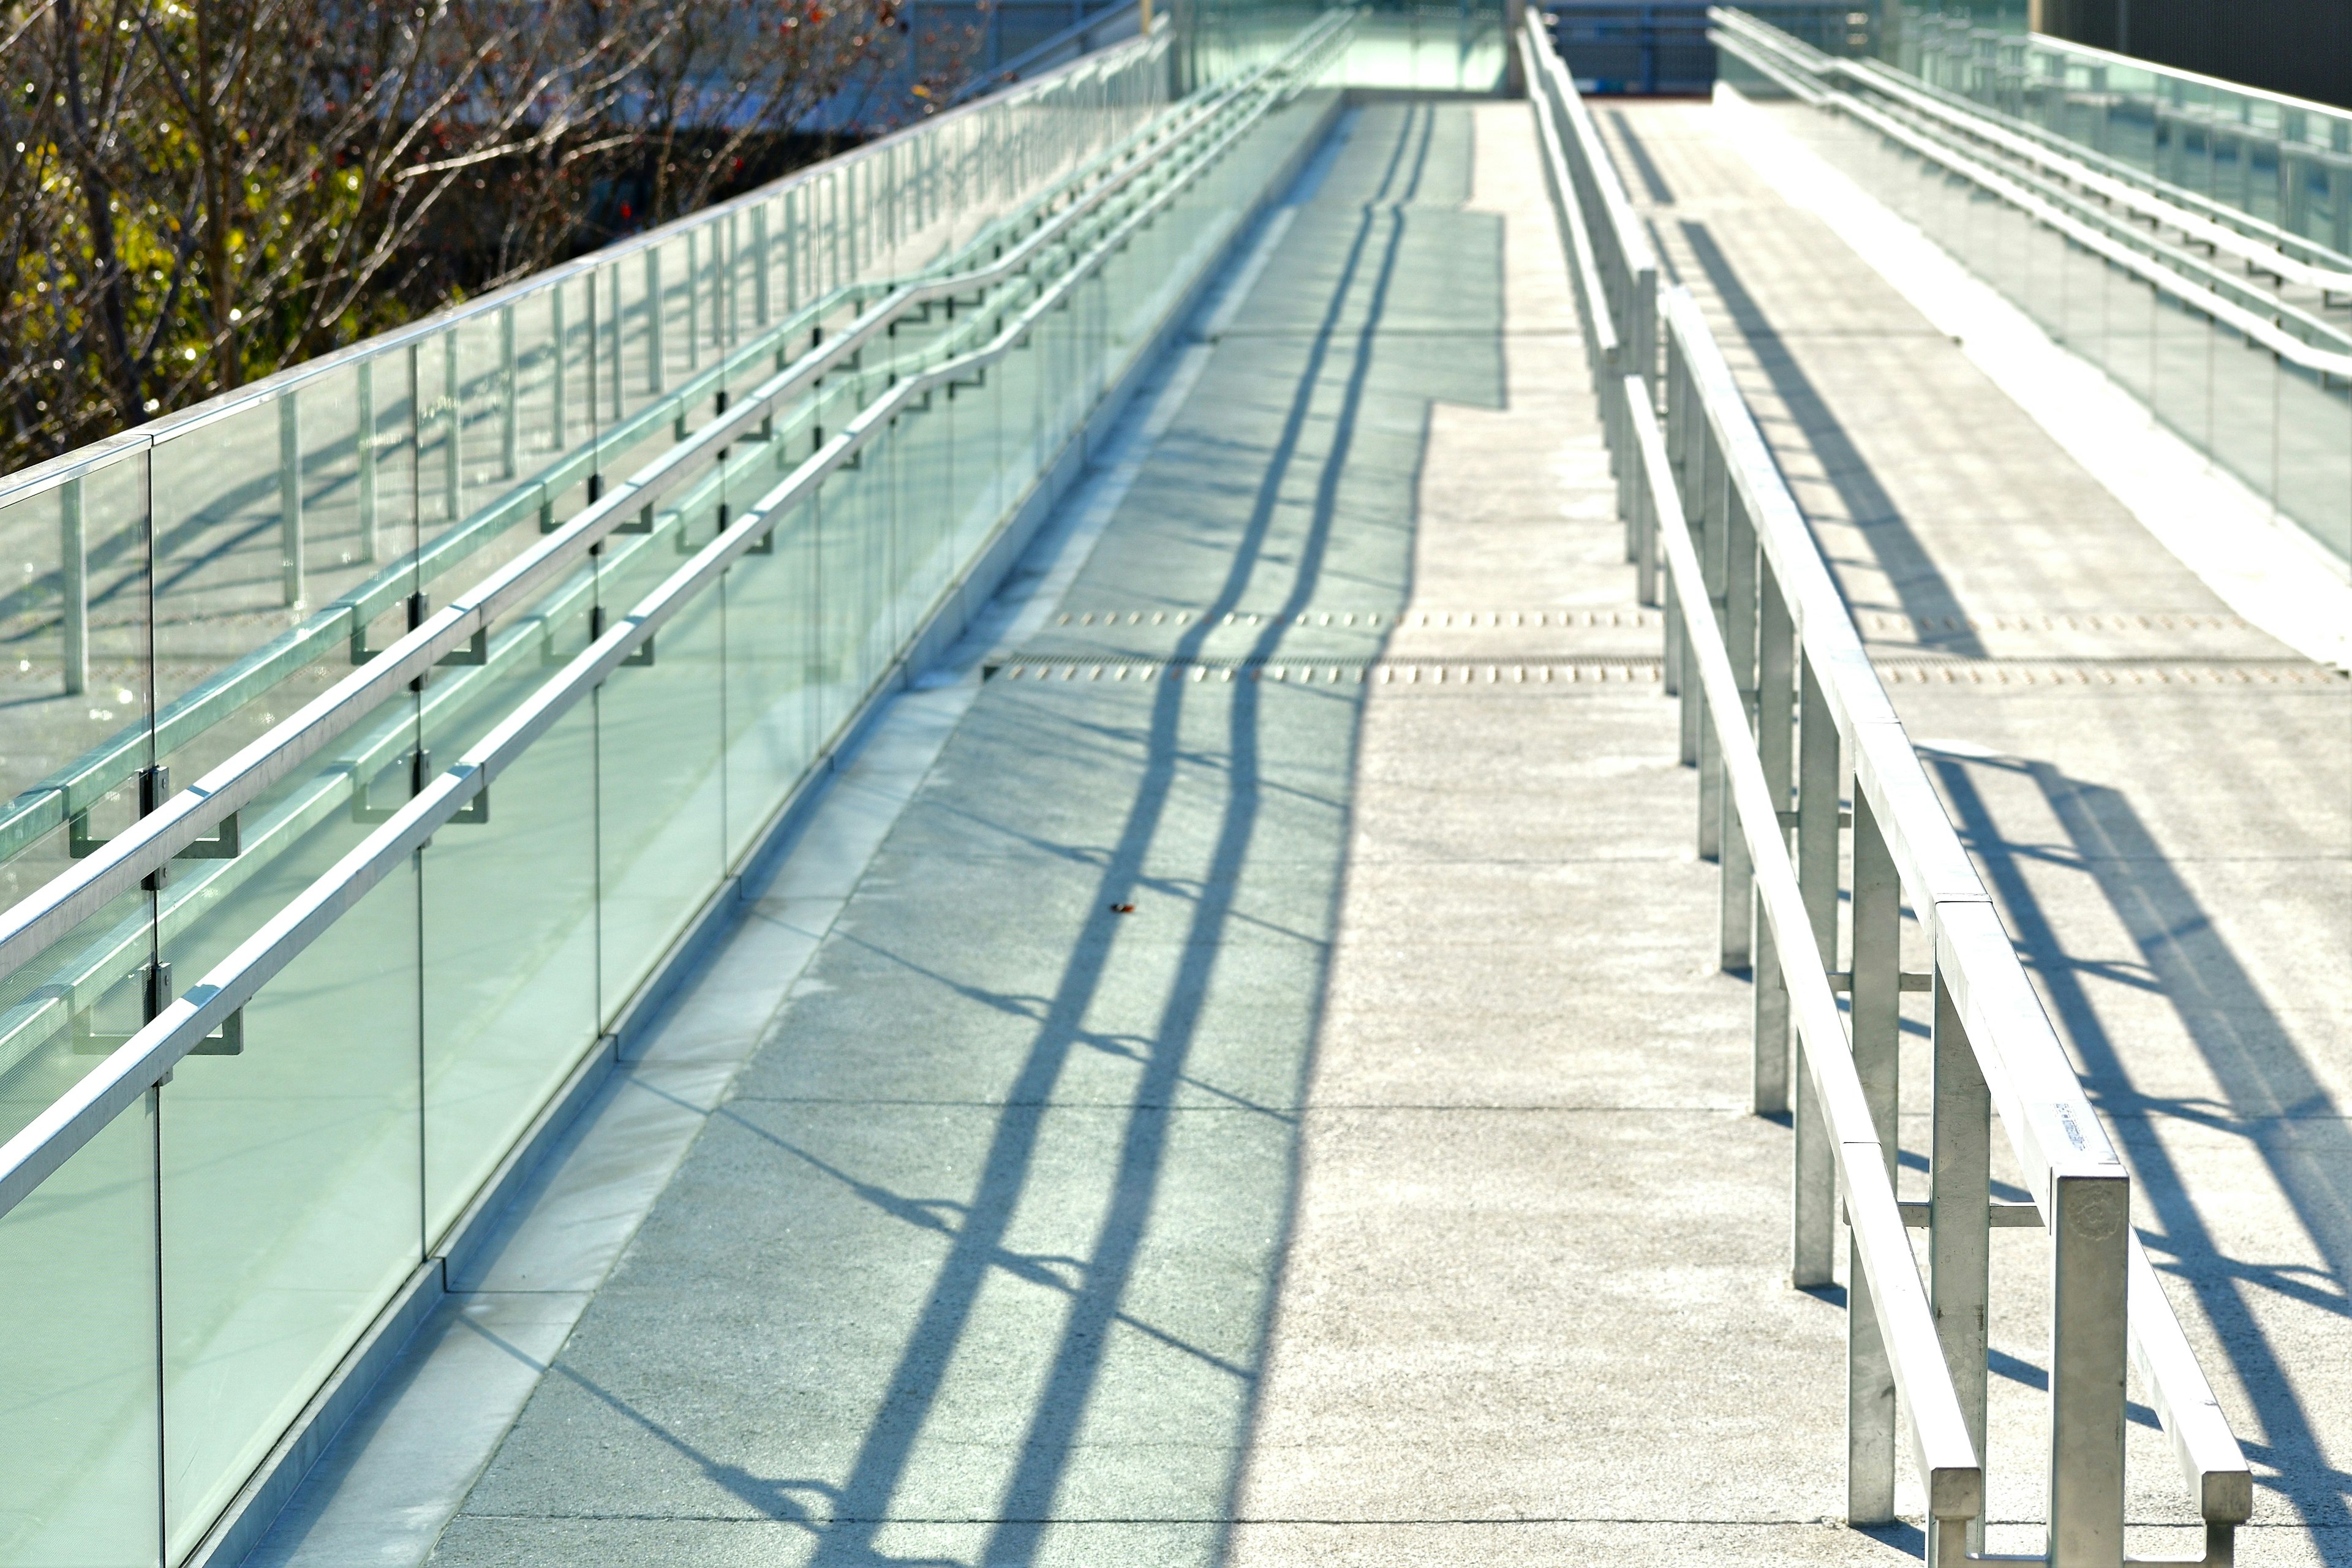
1782,56
67,900
1781,703
68,1122
1887,1285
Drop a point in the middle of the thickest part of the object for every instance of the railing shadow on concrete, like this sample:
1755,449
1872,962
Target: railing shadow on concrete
1789,729
2270,1095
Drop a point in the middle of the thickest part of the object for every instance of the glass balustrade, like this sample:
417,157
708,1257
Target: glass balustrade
189,1278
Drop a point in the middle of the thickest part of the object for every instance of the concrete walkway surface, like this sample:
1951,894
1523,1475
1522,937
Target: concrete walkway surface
1238,1074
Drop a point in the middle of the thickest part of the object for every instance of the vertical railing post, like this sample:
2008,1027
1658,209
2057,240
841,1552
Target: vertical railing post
1776,750
510,426
289,494
1739,637
760,263
1813,1195
2089,1214
453,423
73,570
1960,1219
654,368
1682,415
694,272
1875,977
363,415
558,406
1709,491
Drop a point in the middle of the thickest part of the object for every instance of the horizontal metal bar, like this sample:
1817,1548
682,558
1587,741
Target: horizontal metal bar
1842,981
2000,1216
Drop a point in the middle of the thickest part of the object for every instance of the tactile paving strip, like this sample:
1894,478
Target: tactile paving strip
1501,619
1336,672
2119,673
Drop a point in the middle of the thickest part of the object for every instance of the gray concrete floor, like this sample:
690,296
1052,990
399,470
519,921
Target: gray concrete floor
1298,1122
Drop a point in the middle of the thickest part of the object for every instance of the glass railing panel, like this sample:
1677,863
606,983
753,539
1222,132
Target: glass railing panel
74,641
2314,456
290,1174
510,911
660,829
2245,412
78,1407
63,1013
2185,343
772,700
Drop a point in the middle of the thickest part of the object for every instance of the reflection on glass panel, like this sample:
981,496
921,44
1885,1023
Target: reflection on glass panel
770,626
510,960
290,1175
658,784
73,1004
78,1439
74,675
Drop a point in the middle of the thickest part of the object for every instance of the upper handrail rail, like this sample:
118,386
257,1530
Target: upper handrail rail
2051,1127
1744,36
53,473
76,895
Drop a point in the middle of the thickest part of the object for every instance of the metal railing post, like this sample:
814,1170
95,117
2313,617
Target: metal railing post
1959,1218
73,562
363,413
654,367
694,272
1711,529
1739,638
1875,977
558,404
1775,748
1813,1227
1870,1413
2089,1215
510,426
289,493
453,474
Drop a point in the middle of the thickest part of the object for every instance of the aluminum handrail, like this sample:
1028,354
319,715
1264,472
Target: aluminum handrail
1782,618
56,471
64,902
1742,37
1888,1284
68,1122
